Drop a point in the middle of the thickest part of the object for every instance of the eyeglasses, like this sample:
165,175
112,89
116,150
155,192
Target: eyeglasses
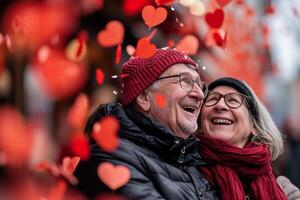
187,82
232,100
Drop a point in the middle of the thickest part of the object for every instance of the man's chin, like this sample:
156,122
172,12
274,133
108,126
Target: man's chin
189,128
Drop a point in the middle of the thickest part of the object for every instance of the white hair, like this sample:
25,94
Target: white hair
267,131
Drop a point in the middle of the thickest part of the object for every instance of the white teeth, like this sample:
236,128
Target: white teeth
222,121
189,108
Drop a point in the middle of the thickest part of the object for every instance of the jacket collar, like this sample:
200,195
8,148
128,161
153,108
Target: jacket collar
140,129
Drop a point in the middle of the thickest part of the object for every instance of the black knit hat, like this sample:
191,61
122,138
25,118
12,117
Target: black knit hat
241,88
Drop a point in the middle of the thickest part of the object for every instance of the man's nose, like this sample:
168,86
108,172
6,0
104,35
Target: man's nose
196,93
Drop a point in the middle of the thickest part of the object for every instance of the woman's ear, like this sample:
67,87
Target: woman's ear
143,100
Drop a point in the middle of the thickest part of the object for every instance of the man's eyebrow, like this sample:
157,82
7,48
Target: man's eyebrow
190,74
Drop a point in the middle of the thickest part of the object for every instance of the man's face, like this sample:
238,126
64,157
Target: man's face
182,108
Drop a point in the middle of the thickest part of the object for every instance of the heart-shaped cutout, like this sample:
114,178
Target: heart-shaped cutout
77,115
220,38
105,133
112,35
69,164
189,45
76,50
222,3
154,17
160,100
164,2
113,176
79,145
144,48
100,76
130,50
215,19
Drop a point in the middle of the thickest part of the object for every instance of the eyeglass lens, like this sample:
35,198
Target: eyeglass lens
233,100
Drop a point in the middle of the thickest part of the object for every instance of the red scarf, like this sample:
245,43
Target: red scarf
230,168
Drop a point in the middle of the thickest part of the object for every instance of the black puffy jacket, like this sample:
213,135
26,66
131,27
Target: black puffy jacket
162,165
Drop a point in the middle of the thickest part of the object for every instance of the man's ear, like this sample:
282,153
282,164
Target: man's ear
143,100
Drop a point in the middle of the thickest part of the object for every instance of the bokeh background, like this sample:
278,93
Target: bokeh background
55,69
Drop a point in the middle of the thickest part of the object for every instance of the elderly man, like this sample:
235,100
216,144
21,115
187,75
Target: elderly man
155,136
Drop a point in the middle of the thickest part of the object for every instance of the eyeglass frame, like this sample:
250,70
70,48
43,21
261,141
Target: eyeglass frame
204,89
244,97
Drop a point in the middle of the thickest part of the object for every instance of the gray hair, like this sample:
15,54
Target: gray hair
267,131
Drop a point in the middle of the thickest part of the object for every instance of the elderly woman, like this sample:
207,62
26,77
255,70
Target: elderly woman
239,140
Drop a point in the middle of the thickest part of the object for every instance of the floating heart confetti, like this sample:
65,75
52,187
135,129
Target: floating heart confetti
160,100
130,50
59,76
112,35
133,7
144,48
106,133
76,50
77,115
1,39
100,76
154,17
43,53
270,9
222,3
220,38
16,141
113,176
164,2
215,19
189,45
118,54
216,37
171,43
8,43
32,24
79,145
69,164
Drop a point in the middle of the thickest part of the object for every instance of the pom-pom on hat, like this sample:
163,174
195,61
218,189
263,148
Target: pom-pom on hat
138,73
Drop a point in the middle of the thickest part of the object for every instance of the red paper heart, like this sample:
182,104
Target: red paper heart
164,2
154,17
112,35
220,39
144,48
78,113
79,145
113,176
76,50
222,3
130,50
215,19
189,45
59,76
160,100
16,141
100,76
133,7
106,133
69,164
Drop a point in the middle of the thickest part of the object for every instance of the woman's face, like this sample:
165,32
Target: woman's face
233,125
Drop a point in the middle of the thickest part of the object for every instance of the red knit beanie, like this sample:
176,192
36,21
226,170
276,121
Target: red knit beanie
138,73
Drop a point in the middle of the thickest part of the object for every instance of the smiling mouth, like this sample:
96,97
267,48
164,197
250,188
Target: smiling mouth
218,121
190,109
